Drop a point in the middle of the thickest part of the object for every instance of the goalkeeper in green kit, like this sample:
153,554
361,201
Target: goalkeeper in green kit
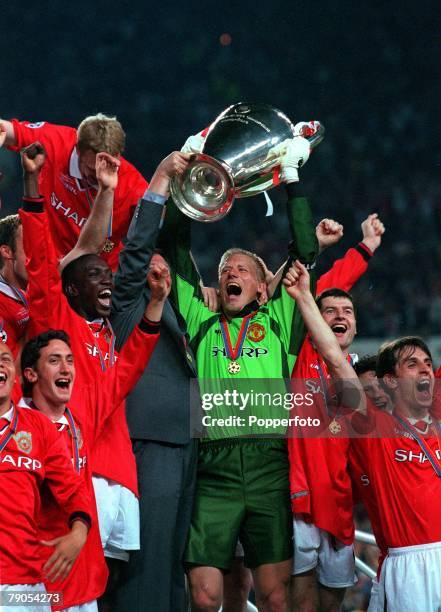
242,489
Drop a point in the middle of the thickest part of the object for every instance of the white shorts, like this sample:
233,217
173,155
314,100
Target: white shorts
90,606
118,516
25,591
239,552
410,579
315,548
373,599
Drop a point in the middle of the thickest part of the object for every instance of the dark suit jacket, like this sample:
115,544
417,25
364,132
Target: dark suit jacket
159,406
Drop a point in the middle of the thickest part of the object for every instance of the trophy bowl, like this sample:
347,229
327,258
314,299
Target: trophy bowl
242,151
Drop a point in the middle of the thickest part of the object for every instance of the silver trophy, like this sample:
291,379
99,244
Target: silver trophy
242,150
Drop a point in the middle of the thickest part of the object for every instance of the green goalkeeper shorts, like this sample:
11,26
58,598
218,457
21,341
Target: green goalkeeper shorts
242,492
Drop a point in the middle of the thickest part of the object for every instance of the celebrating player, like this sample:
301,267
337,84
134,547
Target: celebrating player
34,463
242,484
401,459
80,304
80,412
320,484
68,180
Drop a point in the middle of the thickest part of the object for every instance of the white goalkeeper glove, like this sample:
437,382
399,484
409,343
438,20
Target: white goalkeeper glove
297,154
194,144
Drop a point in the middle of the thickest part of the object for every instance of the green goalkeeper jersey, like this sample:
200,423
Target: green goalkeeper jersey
247,397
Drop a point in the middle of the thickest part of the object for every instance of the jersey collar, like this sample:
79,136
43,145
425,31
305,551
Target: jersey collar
246,310
74,168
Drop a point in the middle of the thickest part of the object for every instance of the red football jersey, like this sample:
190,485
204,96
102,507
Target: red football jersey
345,272
33,459
14,316
364,492
49,308
403,482
68,200
91,406
320,484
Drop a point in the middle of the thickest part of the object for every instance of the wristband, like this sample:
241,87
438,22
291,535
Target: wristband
364,251
149,327
80,516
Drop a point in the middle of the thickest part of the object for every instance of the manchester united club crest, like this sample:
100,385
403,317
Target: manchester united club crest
256,332
23,439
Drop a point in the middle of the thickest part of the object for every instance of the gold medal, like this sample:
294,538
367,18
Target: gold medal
108,246
334,427
233,367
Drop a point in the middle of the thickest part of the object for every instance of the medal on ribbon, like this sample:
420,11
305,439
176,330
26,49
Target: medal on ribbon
108,246
334,427
234,353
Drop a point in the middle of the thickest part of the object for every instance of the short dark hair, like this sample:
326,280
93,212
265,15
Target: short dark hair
334,292
69,272
368,363
32,351
8,233
390,353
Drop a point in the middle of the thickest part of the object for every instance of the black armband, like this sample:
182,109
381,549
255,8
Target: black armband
364,251
149,327
33,204
80,516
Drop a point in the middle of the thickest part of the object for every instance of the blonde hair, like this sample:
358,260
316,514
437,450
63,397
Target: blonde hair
258,261
99,133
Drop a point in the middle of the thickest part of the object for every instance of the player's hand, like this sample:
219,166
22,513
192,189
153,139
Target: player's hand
159,281
33,158
372,229
194,144
211,298
106,168
297,154
3,134
328,232
67,549
174,164
296,281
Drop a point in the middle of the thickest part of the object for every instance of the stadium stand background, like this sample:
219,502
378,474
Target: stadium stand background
369,72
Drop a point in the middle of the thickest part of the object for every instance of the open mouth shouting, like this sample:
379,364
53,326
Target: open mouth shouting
3,378
339,329
104,298
233,289
424,388
63,383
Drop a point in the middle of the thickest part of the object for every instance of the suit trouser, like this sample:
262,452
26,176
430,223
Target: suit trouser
154,580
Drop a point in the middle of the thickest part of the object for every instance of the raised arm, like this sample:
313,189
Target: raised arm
296,282
7,134
46,300
346,271
141,238
94,232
